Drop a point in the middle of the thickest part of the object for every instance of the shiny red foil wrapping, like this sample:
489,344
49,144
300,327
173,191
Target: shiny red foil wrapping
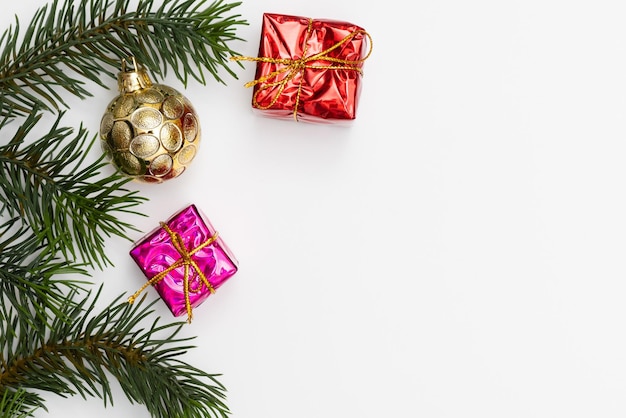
322,95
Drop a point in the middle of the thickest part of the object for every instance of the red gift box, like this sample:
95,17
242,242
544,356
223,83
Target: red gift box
308,69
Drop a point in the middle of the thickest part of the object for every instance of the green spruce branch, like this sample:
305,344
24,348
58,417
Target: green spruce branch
75,357
17,404
33,280
57,208
59,212
67,205
68,43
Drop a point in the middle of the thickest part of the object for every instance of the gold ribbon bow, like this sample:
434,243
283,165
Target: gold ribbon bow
185,261
295,66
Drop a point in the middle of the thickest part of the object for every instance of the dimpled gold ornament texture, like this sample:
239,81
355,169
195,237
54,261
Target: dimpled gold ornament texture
150,132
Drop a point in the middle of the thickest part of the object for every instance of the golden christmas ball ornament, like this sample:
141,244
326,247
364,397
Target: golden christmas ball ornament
150,132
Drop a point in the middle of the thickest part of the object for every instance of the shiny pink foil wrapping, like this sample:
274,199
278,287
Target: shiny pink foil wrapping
325,95
155,253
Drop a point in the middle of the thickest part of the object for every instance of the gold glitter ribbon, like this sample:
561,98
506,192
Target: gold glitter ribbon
296,66
185,261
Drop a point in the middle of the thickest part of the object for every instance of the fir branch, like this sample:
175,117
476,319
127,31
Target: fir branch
32,279
75,356
89,37
45,182
58,209
18,403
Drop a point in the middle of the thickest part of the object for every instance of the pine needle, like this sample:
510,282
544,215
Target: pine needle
75,357
45,182
57,208
90,37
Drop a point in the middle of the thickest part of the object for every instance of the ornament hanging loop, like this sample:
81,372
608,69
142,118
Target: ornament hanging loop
129,81
125,63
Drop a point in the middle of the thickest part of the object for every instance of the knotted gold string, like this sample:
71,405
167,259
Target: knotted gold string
295,66
185,260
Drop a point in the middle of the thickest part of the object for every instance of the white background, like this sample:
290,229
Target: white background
458,251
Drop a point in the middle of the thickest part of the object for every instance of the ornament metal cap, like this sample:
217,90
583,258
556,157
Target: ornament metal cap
132,80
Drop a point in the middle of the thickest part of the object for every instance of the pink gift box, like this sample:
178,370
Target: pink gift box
157,254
